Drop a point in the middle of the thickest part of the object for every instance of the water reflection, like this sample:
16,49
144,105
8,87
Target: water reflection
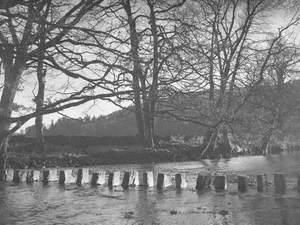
283,209
146,211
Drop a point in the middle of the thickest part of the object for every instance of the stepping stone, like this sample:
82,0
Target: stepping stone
125,182
16,177
242,183
9,174
203,182
259,183
220,183
84,176
45,175
29,177
110,180
160,181
279,183
62,177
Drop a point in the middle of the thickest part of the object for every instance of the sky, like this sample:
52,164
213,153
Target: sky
92,108
97,108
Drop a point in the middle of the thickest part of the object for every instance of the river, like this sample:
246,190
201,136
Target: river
70,204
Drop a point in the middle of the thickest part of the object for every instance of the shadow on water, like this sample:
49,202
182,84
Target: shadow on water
283,209
146,211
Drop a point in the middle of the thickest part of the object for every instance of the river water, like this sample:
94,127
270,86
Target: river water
70,204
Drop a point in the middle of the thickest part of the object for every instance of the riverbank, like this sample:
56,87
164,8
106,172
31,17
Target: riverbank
114,155
90,151
103,156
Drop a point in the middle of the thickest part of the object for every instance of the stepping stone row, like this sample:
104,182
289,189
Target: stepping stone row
83,176
220,183
135,178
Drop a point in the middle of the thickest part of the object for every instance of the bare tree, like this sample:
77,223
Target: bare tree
229,55
274,100
137,45
20,49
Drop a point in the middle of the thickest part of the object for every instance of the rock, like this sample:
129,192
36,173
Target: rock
173,212
160,181
110,180
62,177
223,212
259,182
279,183
129,215
203,182
242,183
94,179
220,183
125,182
29,177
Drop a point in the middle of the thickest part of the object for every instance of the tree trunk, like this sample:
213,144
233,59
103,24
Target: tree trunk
148,132
222,90
137,75
209,141
39,105
265,142
3,157
41,75
153,95
13,64
12,78
139,121
226,146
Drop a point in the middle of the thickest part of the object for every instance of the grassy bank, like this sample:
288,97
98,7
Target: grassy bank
102,155
90,151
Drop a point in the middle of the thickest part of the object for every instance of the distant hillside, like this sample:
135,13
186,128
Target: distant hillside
119,123
122,122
